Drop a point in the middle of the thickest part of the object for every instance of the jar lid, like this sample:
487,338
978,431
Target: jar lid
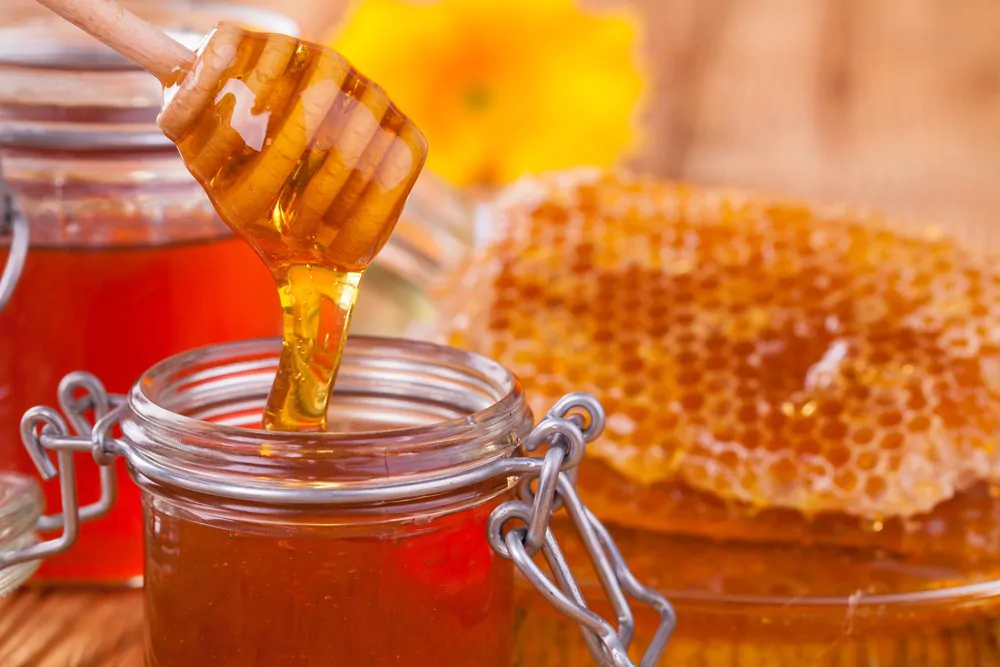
62,89
20,509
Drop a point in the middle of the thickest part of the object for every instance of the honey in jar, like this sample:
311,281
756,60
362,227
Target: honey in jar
802,412
127,262
286,579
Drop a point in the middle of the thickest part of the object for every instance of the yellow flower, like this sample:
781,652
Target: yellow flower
503,87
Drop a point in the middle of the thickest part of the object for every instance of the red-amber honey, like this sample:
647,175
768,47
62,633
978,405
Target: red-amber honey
114,311
316,595
293,577
126,262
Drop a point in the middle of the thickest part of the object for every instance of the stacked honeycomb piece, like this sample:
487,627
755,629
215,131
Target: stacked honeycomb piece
752,356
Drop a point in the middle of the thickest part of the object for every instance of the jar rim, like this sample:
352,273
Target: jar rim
21,507
61,90
439,412
143,403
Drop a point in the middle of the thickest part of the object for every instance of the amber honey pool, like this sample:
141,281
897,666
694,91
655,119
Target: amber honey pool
802,406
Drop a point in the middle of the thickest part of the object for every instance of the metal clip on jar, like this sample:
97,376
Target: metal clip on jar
387,538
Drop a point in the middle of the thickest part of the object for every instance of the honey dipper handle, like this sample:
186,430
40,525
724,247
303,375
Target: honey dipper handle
126,33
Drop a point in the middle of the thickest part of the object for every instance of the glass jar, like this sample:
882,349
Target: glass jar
127,262
381,542
432,588
20,510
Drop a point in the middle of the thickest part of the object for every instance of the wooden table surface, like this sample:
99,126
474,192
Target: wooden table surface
893,104
71,629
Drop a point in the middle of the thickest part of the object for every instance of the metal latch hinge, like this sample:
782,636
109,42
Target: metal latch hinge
518,529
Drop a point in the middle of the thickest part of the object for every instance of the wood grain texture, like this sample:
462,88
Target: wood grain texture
891,105
71,629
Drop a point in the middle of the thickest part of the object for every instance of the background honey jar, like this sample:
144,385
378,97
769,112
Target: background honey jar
119,238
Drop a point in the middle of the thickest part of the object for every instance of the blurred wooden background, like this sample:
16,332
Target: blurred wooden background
893,104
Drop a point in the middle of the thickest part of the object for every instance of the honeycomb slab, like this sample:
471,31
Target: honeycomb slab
764,354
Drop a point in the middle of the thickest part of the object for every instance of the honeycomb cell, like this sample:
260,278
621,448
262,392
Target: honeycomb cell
764,353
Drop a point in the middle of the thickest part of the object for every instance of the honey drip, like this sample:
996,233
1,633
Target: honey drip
311,164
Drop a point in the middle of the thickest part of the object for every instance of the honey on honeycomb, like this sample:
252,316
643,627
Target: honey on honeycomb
752,356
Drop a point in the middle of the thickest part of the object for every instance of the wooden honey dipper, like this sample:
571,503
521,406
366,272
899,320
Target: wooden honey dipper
324,136
301,155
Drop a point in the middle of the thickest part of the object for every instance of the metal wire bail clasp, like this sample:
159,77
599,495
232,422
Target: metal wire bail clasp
520,529
44,430
13,224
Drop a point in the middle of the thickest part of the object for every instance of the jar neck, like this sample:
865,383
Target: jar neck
20,507
62,89
107,201
83,154
403,412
